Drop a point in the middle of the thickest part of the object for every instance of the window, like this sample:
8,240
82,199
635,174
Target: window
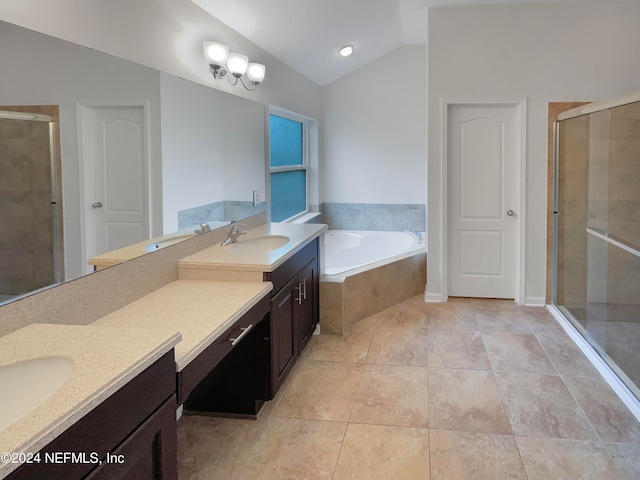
288,153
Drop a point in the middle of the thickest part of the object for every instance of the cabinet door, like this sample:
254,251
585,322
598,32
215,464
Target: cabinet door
149,452
308,297
284,345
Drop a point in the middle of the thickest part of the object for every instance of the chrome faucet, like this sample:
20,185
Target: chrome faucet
204,228
234,233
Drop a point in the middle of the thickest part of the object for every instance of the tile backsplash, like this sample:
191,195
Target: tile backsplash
374,216
225,210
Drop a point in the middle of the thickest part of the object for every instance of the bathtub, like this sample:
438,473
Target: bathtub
347,252
365,272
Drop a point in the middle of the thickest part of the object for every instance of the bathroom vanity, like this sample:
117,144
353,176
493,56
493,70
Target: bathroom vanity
71,433
287,256
294,310
218,340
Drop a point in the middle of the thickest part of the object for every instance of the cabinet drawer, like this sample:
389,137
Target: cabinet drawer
199,368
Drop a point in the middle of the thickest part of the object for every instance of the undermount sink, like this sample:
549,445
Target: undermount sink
260,244
25,385
153,246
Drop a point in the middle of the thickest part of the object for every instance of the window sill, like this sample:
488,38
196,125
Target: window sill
305,218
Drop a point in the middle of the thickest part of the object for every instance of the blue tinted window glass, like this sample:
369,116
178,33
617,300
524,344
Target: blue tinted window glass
288,194
285,141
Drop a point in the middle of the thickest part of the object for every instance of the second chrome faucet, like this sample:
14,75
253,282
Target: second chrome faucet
234,233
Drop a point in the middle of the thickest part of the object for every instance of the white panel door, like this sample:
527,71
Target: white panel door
483,150
119,199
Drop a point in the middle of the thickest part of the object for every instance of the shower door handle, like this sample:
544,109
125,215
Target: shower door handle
97,205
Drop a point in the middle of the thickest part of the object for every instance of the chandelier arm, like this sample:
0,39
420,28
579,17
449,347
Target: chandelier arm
245,86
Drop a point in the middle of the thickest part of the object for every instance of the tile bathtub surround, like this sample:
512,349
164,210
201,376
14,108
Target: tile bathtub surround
367,293
422,391
374,216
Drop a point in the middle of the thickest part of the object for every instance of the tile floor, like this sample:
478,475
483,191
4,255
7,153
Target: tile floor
470,389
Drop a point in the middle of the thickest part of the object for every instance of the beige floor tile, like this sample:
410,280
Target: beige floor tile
392,395
502,320
376,378
321,391
552,458
292,449
376,452
541,405
540,320
352,347
211,447
395,347
477,456
457,349
406,317
611,419
566,356
465,400
451,318
627,458
517,352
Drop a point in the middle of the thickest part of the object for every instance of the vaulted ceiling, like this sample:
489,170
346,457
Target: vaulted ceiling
306,34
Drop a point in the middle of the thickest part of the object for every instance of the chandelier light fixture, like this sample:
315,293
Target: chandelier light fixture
224,64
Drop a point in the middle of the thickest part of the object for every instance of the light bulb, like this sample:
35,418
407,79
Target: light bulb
255,73
237,64
346,50
215,53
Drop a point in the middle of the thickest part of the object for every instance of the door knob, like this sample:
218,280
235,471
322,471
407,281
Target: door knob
97,205
510,213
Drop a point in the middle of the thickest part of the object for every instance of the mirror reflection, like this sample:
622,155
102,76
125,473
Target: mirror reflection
142,154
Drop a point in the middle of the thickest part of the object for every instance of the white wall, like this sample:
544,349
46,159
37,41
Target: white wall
543,53
375,132
192,147
244,149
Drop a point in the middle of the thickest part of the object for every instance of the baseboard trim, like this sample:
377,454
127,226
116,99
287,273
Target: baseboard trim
534,301
434,297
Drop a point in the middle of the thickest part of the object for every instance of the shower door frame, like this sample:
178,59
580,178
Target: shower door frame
611,373
53,112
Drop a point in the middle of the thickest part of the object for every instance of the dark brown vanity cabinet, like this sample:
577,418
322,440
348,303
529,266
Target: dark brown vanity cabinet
294,310
231,377
131,435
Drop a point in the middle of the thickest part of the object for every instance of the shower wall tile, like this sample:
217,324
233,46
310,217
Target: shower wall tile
374,216
26,227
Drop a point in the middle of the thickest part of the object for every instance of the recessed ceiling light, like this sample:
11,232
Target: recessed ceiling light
346,50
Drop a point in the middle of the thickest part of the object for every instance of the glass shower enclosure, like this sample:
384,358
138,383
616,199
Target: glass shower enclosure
30,234
596,264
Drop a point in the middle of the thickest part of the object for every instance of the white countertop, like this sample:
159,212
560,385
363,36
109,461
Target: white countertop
218,257
104,361
201,310
136,250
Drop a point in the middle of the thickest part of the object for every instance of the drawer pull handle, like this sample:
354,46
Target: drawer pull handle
245,331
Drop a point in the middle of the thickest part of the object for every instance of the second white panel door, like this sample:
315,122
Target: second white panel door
483,150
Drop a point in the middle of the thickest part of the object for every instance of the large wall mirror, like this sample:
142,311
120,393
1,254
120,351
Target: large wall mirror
143,153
